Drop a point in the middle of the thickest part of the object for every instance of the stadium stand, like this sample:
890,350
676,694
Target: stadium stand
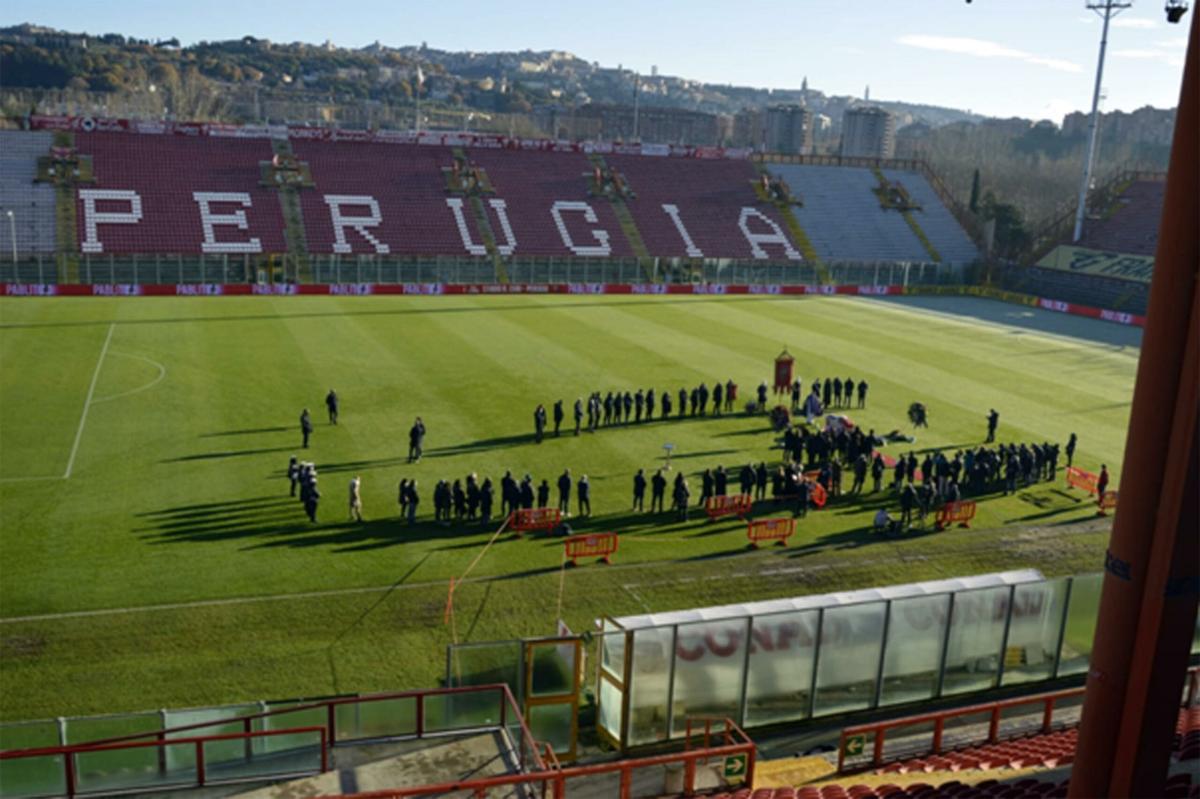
709,197
1092,290
1132,225
32,203
943,230
532,185
842,216
150,193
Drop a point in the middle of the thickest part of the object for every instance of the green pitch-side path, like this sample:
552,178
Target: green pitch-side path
168,489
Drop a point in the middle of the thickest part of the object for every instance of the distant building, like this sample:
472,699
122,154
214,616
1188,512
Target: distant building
868,133
654,124
748,129
788,130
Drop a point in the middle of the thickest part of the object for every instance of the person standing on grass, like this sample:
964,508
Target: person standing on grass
908,499
848,391
639,405
796,395
827,393
1102,483
760,481
356,499
658,488
666,405
649,404
311,497
585,496
683,400
558,416
416,439
639,490
402,498
527,492
306,426
1070,449
993,419
331,404
460,500
414,499
628,400
862,393
578,415
564,492
473,496
543,493
762,397
837,392
860,473
681,495
877,470
293,473
718,396
487,495
730,394
539,422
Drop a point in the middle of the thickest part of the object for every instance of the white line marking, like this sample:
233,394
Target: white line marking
162,372
88,403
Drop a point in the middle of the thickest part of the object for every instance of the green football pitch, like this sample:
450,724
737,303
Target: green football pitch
150,555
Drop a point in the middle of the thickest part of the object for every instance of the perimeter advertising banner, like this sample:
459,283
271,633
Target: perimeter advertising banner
1103,263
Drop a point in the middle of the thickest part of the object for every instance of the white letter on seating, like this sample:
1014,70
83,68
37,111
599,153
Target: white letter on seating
757,239
464,232
601,236
209,220
92,217
692,250
358,223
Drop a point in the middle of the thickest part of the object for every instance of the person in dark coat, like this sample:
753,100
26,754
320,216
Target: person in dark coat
306,426
509,494
803,496
639,490
702,391
658,488
1070,449
486,497
416,440
683,400
460,500
293,473
718,394
311,498
472,497
639,405
578,414
539,423
760,481
908,500
584,489
681,494
558,416
993,419
730,394
666,405
861,464
1102,482
837,392
693,401
649,404
862,393
543,493
848,391
402,498
608,408
706,486
720,481
414,499
795,396
762,397
827,393
564,492
331,405
877,470
526,490
628,400
746,479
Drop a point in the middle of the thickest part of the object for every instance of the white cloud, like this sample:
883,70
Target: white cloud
1178,43
981,48
1140,23
1144,54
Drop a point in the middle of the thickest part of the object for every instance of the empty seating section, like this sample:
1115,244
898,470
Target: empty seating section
530,183
709,196
1130,296
1049,750
1178,786
936,221
408,189
842,217
165,172
32,203
1133,225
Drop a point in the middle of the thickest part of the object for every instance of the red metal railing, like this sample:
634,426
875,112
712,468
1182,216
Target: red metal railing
527,748
70,771
734,742
880,729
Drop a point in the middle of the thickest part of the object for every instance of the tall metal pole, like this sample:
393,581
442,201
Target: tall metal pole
1107,10
12,236
637,92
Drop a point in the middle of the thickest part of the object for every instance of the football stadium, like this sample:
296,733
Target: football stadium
412,461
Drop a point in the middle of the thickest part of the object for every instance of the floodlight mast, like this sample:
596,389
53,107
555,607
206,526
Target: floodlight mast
1106,10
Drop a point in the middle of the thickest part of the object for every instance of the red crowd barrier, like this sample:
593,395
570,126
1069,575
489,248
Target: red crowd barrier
526,519
731,505
778,530
591,545
960,513
1078,478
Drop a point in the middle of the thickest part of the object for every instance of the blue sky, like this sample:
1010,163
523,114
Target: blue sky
1031,58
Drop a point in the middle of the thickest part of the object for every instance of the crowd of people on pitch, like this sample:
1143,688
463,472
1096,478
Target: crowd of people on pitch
626,407
472,499
832,392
